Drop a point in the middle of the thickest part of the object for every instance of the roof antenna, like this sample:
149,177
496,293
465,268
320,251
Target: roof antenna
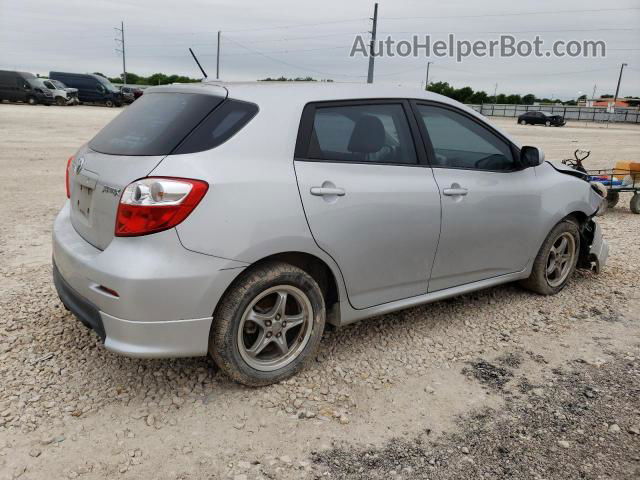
199,66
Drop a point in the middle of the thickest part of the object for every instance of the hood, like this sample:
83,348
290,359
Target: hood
562,168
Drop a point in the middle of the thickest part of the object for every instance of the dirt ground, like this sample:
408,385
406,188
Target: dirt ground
496,384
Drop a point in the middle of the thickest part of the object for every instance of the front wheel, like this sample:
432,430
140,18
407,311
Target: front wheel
109,103
547,123
268,325
556,261
32,101
61,102
523,122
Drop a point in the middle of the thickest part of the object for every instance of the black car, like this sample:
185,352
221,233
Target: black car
91,88
541,118
23,87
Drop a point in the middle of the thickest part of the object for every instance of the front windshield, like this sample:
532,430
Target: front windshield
36,83
107,84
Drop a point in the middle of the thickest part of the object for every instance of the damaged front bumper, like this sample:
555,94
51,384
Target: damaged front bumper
594,249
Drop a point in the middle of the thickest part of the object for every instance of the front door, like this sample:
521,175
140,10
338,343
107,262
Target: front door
490,206
370,202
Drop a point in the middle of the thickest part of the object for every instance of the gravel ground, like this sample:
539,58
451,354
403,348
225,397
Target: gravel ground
69,408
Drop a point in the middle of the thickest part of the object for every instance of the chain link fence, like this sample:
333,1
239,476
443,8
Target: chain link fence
583,114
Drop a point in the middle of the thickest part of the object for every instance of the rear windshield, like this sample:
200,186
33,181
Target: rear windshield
154,124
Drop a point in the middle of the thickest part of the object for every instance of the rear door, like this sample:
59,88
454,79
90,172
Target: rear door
370,201
127,149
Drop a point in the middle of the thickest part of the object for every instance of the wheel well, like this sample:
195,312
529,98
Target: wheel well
586,237
579,217
315,267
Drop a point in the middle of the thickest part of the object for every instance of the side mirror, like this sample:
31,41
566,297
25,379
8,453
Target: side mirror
531,156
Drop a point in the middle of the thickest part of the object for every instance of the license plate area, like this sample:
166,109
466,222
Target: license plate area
83,200
86,182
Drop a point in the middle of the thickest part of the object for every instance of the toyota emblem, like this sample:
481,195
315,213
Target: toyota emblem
79,165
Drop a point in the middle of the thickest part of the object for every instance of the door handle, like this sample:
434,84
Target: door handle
327,191
455,191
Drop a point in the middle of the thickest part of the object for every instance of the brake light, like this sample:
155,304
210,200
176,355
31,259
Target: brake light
154,204
66,176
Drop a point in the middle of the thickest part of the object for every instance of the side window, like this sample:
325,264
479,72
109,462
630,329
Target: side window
100,88
362,133
459,142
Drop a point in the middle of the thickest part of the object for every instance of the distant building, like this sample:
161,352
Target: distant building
608,102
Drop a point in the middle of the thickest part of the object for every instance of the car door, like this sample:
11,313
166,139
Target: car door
490,206
370,201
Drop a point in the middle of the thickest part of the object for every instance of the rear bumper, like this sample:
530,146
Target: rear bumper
166,294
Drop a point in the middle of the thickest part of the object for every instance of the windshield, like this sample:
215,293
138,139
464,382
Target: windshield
36,83
107,84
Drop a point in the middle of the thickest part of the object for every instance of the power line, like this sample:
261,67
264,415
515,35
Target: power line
293,65
549,12
297,25
617,29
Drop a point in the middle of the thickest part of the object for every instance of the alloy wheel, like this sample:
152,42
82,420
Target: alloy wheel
560,259
275,328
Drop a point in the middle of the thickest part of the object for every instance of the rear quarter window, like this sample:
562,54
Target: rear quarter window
219,126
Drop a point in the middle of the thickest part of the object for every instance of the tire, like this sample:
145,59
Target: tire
547,123
634,204
612,198
549,284
109,103
61,102
523,122
32,100
251,296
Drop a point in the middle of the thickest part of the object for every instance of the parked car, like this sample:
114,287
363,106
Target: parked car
130,94
238,219
541,118
61,93
23,87
91,88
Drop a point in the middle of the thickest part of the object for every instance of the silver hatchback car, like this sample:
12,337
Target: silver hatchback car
238,219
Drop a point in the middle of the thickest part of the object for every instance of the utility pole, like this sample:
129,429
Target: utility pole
373,41
426,83
218,57
618,87
122,50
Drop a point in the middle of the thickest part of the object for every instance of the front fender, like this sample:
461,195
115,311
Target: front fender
562,195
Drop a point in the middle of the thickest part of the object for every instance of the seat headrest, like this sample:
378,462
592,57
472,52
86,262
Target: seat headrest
368,135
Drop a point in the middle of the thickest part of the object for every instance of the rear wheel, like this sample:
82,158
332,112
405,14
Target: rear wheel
556,261
268,325
612,198
634,204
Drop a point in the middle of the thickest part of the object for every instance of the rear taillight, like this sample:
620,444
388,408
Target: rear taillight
155,204
66,176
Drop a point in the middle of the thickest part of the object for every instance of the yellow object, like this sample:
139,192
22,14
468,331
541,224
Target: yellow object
627,168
